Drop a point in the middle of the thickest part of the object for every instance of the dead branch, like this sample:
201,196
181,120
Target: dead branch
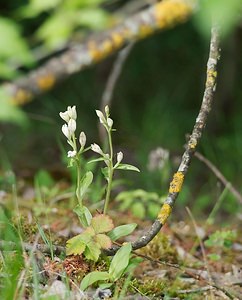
178,178
159,16
220,176
11,246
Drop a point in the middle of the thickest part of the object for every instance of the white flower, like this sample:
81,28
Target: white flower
110,122
107,110
119,157
72,126
64,116
82,139
71,154
66,131
96,148
72,112
100,116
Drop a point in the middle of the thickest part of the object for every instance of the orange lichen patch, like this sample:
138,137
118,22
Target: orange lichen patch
169,12
106,47
164,213
46,82
145,31
211,76
176,184
21,97
117,39
94,51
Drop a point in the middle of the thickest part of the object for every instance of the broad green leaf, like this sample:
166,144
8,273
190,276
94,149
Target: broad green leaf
122,230
102,223
153,210
127,167
138,210
94,18
93,277
120,262
105,172
103,240
35,7
75,246
133,263
57,29
84,215
85,183
43,178
13,45
92,251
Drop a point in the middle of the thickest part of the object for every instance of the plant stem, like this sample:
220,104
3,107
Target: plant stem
78,183
110,173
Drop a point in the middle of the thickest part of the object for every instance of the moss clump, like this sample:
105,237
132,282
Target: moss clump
160,248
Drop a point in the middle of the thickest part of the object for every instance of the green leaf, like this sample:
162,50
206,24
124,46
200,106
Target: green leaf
84,215
96,160
153,210
35,7
93,277
105,172
103,240
85,183
127,167
122,230
120,262
92,251
75,246
13,45
78,244
102,223
214,256
138,210
94,18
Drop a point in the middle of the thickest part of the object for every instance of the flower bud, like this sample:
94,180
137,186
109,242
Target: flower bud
119,157
72,112
64,116
66,131
107,110
96,148
72,126
82,139
110,122
100,116
71,154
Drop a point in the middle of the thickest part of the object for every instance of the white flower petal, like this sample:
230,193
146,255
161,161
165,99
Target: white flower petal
64,116
96,148
66,131
71,154
110,122
100,116
119,157
72,126
82,139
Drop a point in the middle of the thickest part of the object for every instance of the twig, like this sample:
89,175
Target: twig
197,290
159,16
11,246
220,176
111,82
178,178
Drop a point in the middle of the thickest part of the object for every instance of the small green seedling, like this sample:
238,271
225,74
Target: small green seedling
120,264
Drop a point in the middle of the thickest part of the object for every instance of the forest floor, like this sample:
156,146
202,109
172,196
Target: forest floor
186,260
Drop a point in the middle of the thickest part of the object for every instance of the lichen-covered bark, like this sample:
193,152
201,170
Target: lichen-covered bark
160,16
178,178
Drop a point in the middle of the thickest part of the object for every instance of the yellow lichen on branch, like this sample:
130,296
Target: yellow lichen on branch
169,12
211,77
176,184
164,213
46,82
